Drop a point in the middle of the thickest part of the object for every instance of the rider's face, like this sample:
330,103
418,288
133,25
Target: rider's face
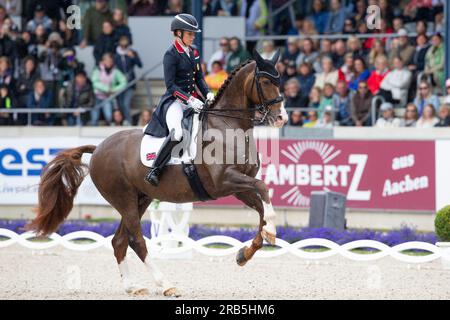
188,37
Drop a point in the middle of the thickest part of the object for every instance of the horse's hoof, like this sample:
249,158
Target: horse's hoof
172,292
269,237
137,291
240,257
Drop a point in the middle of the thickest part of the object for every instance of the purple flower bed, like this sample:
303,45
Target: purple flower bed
289,234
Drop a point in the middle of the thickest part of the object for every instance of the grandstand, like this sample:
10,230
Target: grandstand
336,69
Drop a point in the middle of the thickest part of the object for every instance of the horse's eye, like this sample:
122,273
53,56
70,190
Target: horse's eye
266,82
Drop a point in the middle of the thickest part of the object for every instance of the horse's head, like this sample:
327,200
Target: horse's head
264,92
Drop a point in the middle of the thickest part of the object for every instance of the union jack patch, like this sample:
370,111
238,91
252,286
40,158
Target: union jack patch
151,156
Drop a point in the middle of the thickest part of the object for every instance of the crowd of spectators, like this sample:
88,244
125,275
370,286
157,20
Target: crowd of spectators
330,75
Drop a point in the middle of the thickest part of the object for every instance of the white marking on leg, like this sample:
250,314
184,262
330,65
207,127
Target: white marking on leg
127,282
269,218
159,277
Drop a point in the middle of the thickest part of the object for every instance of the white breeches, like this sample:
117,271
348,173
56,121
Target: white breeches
174,116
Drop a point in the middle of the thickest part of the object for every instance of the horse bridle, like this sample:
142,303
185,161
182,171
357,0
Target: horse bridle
264,105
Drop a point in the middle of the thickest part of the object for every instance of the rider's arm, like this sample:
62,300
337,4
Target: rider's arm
169,77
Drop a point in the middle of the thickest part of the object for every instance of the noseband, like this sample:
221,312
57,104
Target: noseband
264,105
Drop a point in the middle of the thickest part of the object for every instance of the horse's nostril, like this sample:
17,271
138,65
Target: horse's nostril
280,118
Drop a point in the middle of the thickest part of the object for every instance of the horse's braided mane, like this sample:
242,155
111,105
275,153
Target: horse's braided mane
224,86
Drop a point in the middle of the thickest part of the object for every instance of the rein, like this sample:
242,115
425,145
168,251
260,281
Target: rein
263,107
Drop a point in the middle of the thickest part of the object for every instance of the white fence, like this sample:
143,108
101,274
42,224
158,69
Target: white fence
188,244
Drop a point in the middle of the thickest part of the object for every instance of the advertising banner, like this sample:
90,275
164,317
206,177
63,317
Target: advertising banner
397,175
372,174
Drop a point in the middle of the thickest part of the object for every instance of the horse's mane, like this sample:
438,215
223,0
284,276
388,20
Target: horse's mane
224,86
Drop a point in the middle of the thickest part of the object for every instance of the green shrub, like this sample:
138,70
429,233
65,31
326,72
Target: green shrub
442,223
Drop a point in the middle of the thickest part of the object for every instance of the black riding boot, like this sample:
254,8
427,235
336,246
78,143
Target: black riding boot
161,160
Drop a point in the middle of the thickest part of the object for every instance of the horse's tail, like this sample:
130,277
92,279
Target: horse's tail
60,180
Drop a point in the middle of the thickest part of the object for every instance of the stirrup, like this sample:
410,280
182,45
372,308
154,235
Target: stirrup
152,176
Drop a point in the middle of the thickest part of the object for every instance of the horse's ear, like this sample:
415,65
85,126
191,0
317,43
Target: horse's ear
276,57
259,60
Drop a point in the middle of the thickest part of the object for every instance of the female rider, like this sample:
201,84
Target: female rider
182,75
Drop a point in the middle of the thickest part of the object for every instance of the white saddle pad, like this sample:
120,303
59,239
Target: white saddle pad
150,146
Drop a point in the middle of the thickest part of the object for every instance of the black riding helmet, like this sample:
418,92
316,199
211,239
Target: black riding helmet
185,22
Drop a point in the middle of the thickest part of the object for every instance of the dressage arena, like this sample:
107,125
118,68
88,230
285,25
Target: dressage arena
47,275
60,273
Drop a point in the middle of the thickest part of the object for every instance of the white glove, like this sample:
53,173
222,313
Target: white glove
210,98
195,103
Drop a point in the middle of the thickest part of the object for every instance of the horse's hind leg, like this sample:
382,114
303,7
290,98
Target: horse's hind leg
120,245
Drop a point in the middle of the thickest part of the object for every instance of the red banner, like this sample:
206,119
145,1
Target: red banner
372,174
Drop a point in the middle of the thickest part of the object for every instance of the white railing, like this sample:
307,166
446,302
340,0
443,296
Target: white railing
189,244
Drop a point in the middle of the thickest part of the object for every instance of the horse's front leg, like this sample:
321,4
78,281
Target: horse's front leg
239,182
251,199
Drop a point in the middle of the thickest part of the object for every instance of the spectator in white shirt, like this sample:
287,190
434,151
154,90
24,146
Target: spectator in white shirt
398,81
221,55
387,119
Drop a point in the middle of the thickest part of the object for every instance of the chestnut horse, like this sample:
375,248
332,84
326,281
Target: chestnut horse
251,93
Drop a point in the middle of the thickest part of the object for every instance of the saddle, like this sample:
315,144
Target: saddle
150,145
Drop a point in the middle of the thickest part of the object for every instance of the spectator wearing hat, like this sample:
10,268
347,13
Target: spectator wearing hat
292,51
221,55
106,42
328,75
307,79
293,96
142,8
411,115
216,77
397,82
444,116
387,119
93,22
425,97
434,61
428,118
28,74
361,105
40,18
78,94
401,48
126,59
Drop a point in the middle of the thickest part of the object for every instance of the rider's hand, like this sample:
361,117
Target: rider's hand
210,98
195,103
